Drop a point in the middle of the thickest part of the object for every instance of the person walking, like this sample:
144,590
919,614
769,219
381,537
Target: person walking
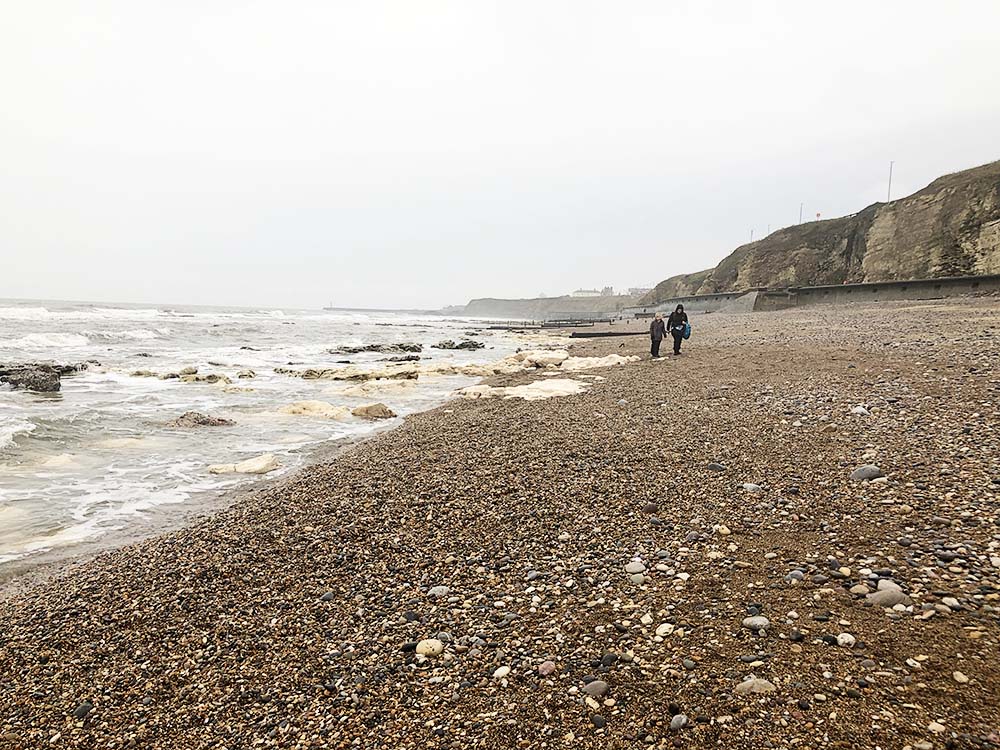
657,331
676,324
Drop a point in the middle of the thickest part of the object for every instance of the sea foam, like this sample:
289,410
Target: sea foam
11,428
45,341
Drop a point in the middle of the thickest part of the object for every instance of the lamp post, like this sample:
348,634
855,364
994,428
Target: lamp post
888,193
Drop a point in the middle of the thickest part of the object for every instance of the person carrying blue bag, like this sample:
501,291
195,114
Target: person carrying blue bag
678,326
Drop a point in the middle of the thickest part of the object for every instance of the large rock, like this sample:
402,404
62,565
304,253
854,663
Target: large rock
468,345
541,357
258,465
373,411
197,419
32,378
212,377
536,391
405,347
403,371
42,376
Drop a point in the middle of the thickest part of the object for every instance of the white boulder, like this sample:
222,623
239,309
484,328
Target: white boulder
373,411
259,465
541,357
537,391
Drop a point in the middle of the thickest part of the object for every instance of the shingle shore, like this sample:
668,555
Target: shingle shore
621,568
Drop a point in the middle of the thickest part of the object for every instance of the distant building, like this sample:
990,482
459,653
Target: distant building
586,293
638,291
608,291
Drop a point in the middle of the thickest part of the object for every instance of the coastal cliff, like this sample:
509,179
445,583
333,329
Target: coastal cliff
542,307
950,228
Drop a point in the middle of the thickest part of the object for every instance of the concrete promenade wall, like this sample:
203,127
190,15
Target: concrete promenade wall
693,303
762,300
845,294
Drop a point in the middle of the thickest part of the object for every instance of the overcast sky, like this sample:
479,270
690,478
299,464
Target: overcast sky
422,153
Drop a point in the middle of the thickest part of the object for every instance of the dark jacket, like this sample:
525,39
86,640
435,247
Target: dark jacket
657,330
676,321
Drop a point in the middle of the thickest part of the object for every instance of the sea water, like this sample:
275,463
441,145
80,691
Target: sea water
96,463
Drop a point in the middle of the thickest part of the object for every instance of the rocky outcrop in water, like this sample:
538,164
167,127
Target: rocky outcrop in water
403,348
468,345
40,379
373,411
197,419
258,465
39,376
400,372
950,228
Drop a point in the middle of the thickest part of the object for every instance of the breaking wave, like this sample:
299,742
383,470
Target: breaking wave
135,334
11,428
93,313
45,341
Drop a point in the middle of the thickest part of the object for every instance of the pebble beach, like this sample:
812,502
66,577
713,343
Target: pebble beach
787,537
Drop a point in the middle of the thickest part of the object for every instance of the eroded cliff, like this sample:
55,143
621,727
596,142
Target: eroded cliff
950,228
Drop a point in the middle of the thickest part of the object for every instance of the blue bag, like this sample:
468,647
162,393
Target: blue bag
687,330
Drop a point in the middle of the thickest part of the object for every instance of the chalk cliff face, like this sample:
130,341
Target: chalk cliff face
950,228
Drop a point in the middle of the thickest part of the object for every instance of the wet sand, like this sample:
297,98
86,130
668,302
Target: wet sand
588,564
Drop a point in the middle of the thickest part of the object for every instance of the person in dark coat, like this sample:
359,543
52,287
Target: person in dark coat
675,324
657,331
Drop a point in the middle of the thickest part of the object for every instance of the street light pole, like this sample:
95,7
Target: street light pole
888,193
800,212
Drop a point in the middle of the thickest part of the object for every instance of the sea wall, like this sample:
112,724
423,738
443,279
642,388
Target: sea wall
727,301
764,300
841,294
